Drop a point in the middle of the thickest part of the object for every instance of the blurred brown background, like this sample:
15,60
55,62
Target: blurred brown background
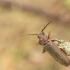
19,17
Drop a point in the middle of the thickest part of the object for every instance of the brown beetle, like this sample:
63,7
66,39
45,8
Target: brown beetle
51,47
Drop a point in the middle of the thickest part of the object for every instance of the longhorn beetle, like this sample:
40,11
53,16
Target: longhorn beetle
53,46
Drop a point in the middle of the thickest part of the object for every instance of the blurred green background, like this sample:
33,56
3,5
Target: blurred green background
18,17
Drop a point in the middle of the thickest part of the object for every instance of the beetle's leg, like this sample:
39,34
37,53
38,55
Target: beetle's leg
62,50
49,35
37,43
53,40
43,50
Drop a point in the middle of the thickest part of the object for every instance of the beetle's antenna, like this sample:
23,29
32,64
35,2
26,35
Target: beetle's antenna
28,34
50,22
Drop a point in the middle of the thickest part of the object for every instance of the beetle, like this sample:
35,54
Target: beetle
52,47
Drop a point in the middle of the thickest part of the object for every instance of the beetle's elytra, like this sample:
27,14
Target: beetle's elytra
52,47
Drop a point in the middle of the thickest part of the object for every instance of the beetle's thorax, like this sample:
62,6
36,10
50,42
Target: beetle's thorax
42,39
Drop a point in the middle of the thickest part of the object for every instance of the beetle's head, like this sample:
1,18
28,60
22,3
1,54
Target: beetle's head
43,39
